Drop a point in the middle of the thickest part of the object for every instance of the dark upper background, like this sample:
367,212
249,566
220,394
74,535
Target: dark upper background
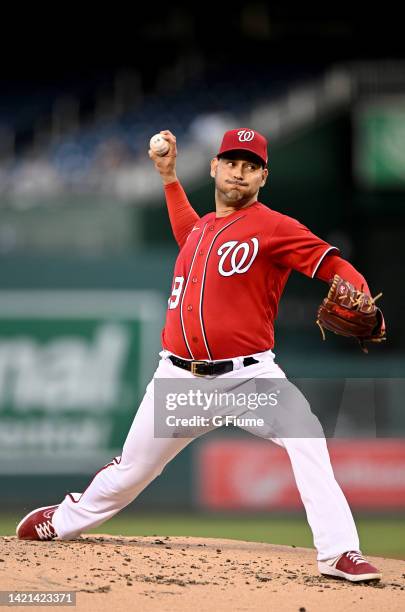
64,47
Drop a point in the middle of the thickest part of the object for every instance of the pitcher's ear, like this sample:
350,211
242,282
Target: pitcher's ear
214,164
265,174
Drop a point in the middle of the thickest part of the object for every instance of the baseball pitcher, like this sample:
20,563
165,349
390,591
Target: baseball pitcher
230,273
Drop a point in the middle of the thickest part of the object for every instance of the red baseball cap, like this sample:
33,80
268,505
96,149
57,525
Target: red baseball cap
247,140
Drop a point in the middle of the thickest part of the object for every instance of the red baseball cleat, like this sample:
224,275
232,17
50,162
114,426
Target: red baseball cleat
351,565
37,525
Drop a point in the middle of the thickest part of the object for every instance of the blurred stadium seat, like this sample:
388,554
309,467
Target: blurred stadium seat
80,160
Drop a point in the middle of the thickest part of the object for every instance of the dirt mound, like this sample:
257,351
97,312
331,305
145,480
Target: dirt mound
183,574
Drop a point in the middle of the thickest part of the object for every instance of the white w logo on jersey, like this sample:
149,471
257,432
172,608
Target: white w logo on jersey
246,135
230,248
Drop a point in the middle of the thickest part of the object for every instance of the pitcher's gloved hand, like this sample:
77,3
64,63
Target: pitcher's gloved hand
346,311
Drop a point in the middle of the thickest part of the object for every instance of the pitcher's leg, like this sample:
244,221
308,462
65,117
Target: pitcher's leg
327,510
120,481
292,424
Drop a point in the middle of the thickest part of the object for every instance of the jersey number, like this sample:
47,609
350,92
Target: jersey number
176,292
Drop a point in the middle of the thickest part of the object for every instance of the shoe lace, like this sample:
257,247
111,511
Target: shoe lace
45,530
356,557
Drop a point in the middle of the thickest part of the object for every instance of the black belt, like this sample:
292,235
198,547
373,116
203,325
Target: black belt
208,368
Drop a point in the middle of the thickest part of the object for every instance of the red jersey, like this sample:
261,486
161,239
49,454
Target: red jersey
229,278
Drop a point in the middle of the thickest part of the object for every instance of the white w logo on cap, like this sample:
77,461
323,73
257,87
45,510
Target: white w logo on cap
246,135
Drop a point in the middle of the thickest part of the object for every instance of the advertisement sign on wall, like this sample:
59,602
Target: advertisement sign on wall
257,475
73,367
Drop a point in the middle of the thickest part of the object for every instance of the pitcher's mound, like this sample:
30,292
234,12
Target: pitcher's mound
190,574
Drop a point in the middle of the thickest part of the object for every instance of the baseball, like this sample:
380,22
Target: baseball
159,145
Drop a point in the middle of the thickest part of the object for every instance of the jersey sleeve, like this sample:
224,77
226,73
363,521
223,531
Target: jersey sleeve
294,246
181,214
333,264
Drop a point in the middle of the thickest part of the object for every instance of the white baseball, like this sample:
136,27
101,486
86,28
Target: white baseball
159,145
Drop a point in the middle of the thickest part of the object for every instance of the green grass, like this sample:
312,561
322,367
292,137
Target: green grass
378,536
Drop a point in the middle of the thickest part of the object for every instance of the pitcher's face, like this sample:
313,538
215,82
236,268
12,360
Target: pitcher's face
238,179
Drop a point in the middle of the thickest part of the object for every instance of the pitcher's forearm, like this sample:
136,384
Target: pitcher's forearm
334,264
181,214
168,178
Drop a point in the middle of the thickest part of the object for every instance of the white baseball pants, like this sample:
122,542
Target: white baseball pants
144,456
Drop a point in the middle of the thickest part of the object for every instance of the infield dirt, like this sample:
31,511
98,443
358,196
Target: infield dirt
184,573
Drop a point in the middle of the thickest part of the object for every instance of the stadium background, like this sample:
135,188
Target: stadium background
87,251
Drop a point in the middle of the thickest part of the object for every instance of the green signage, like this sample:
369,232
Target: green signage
380,144
73,368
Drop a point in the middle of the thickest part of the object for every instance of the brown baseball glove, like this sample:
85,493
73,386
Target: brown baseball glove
346,311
